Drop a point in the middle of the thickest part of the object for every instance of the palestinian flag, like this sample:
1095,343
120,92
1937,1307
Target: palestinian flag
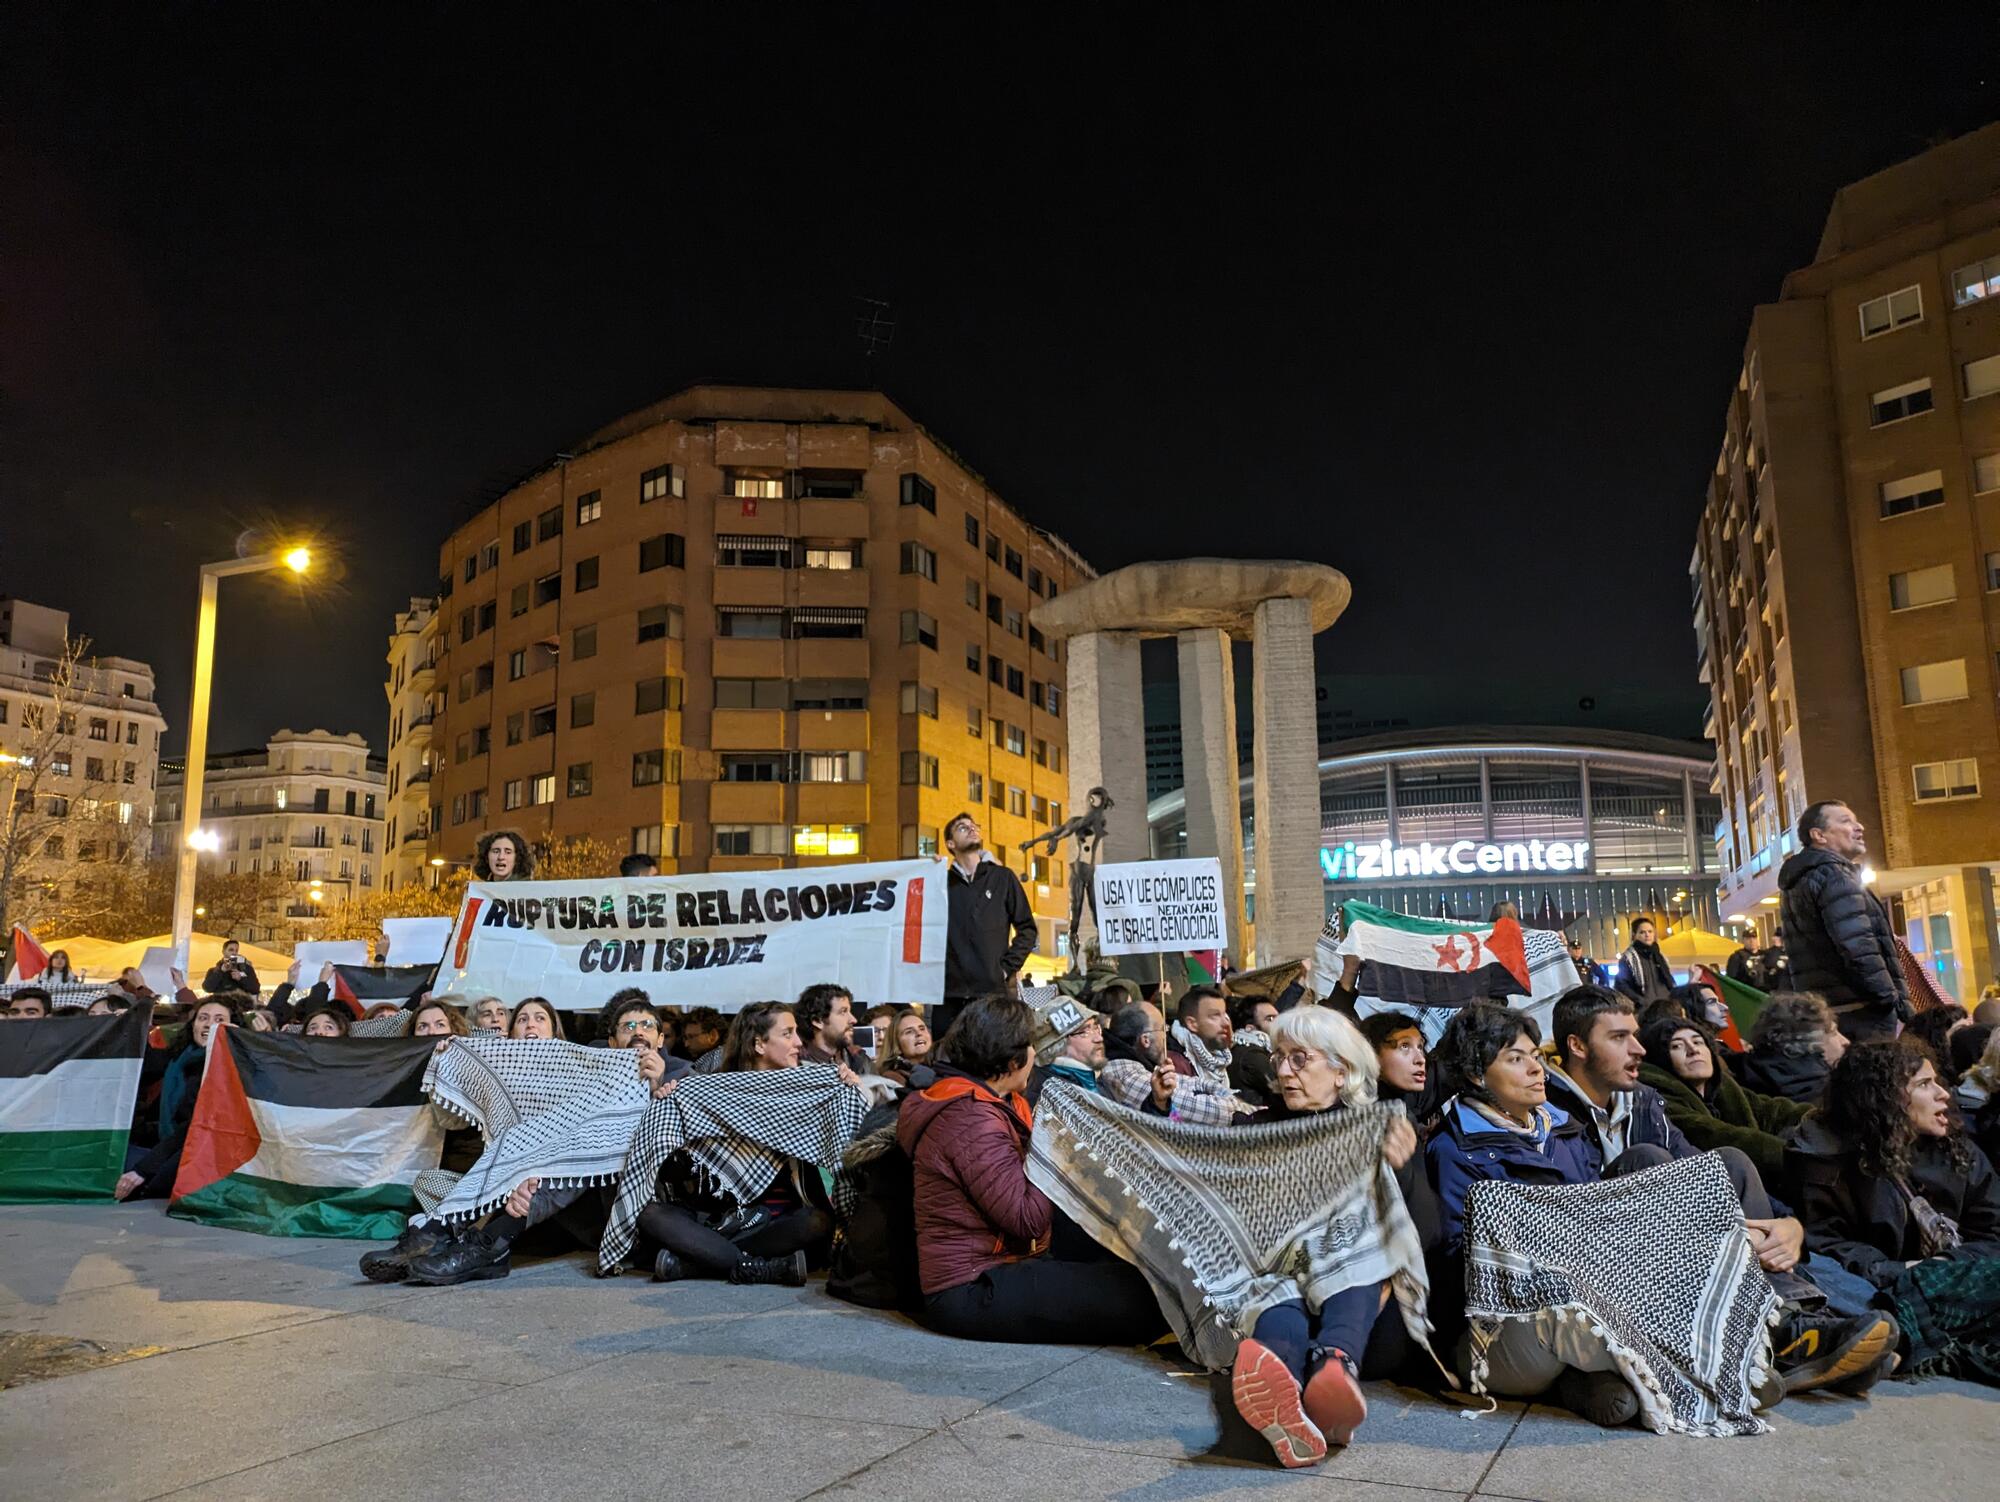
67,1087
363,986
1204,966
296,1136
1434,962
30,959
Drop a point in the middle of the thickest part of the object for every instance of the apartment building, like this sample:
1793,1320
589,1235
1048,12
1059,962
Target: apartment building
411,687
753,627
307,805
1846,572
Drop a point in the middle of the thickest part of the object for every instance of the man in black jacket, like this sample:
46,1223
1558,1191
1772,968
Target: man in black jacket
989,929
1838,936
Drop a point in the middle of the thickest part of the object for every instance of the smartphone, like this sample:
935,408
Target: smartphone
864,1037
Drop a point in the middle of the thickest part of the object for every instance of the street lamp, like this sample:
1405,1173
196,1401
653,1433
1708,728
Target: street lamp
298,560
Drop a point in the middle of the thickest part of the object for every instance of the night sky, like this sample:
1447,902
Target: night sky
1453,304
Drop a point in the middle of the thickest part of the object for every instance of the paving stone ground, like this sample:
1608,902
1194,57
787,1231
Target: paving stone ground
214,1364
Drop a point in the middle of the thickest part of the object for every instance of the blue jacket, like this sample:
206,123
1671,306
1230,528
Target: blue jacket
1468,1149
1648,1123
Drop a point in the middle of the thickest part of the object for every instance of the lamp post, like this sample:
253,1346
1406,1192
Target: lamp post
298,560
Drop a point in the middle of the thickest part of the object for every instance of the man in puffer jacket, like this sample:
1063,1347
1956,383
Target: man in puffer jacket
1839,937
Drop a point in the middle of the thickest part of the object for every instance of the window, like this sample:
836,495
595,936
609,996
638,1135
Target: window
489,556
919,628
919,560
651,695
668,550
833,555
917,491
995,611
482,741
972,529
517,665
919,698
1017,683
999,794
475,807
548,588
757,625
750,693
1937,781
547,525
833,766
1993,570
1055,700
1986,474
1898,402
648,768
972,593
517,600
826,839
1979,280
1017,802
524,536
830,693
662,483
661,623
516,724
971,659
488,614
1040,809
1015,626
975,787
1034,581
541,721
996,670
1879,315
589,507
1916,493
1981,377
753,552
1017,740
542,788
919,770
754,766
510,795
471,569
1013,563
583,643
100,730
1041,752
749,839
831,484
1934,682
1921,586
999,734
917,841
655,839
753,487
849,622
93,769
973,721
992,546
586,574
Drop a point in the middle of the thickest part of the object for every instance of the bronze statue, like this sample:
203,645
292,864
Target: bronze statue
1087,828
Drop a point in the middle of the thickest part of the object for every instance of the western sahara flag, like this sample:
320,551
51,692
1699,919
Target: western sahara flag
67,1087
1433,962
296,1136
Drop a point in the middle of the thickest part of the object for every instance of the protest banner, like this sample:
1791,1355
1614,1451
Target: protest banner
721,939
415,941
1153,907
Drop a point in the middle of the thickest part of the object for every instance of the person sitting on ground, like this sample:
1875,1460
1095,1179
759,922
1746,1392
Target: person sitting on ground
436,1018
489,1015
882,1017
983,1231
1700,1003
1198,1043
702,1029
1987,1013
330,1019
28,1003
1625,1129
1684,1064
631,1021
1069,1045
382,1009
111,1005
535,1018
1403,1069
150,1172
1978,1095
909,1045
1137,1072
1297,1375
1933,1027
1251,1074
760,1242
1643,972
825,1015
1794,1043
259,1020
1890,1187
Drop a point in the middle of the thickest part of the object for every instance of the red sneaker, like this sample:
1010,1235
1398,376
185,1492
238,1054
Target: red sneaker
1333,1400
1267,1395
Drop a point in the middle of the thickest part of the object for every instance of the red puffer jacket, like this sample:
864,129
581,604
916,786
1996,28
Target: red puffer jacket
975,1206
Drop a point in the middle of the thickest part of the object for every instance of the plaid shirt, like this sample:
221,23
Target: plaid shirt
1196,1101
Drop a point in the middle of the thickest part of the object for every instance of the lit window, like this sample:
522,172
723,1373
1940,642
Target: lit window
1921,586
757,487
1879,315
542,788
660,484
1934,682
589,508
1938,780
1969,284
846,555
826,839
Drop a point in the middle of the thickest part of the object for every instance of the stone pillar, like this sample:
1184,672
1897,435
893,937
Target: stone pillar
1107,745
1208,759
1291,907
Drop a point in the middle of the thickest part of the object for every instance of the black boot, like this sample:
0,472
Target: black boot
1605,1398
391,1264
667,1268
476,1256
790,1272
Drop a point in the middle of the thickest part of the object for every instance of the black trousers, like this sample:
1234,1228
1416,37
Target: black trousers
680,1233
1044,1301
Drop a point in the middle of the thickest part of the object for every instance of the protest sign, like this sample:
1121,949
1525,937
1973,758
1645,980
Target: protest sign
313,953
1151,907
415,941
721,939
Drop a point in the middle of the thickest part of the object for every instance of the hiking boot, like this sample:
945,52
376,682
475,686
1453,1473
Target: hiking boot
391,1264
1268,1397
1333,1399
667,1268
476,1256
1824,1350
789,1272
1605,1398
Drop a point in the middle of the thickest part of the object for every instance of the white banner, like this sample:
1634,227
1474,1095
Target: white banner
415,941
1156,907
719,939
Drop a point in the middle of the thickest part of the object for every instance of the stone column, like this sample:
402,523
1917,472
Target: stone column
1291,907
1107,745
1208,759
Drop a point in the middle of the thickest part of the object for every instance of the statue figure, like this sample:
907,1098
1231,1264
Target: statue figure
1087,828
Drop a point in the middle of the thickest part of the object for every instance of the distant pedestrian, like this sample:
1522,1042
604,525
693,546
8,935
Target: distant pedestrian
1643,972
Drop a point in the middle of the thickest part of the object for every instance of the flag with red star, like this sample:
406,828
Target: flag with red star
1433,962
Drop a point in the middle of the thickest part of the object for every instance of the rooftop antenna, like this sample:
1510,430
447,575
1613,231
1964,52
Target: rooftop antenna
876,329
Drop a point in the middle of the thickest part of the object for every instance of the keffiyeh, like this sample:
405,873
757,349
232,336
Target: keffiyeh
1227,1222
1211,1064
738,1127
1689,1331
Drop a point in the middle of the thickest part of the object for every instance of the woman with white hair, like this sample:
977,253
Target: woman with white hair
1297,1375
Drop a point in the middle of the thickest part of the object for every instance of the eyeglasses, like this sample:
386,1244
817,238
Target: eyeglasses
1299,1059
639,1025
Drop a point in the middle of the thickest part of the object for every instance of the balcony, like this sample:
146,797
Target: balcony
760,587
831,657
747,729
743,657
833,518
840,588
833,803
828,730
747,803
418,731
423,678
417,778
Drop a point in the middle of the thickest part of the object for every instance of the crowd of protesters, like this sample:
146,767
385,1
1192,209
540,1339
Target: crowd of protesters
1857,1134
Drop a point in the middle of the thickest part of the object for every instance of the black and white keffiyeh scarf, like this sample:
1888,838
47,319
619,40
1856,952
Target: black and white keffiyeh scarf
1689,1331
740,1128
1211,1064
549,1110
1226,1222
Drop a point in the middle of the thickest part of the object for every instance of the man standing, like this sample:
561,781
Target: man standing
1201,1035
990,929
1840,941
1587,970
232,972
1643,972
638,865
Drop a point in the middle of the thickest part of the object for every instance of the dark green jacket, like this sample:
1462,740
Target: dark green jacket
1737,1118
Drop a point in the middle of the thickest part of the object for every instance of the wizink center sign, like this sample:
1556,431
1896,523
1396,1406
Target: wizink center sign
1383,861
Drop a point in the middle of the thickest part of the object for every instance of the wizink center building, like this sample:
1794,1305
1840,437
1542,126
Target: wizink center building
1582,830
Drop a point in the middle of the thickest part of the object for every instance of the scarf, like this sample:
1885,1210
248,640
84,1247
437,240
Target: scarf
548,1110
1946,1308
737,1129
1688,1332
1211,1064
1227,1222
